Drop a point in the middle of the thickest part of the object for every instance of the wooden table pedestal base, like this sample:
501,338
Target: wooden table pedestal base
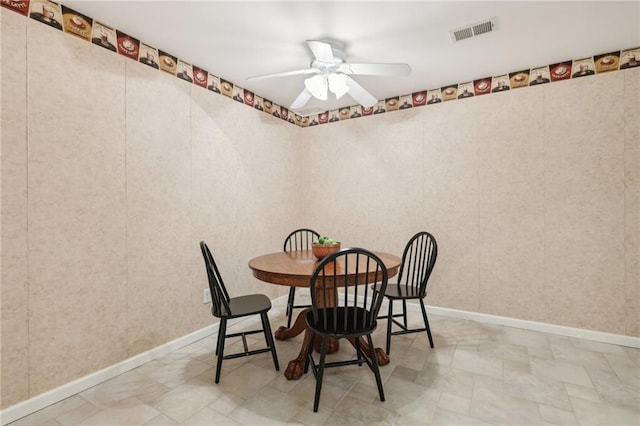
295,368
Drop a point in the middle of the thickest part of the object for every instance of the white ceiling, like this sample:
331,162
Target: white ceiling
235,40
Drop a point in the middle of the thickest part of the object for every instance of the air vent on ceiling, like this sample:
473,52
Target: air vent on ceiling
474,30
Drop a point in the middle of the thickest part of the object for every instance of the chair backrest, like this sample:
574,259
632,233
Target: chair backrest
418,259
300,239
219,295
340,285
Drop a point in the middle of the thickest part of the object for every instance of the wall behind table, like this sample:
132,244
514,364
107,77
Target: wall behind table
111,175
532,195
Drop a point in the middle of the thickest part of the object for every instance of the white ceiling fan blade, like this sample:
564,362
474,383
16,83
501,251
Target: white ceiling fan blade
301,100
283,74
321,50
392,70
358,93
338,84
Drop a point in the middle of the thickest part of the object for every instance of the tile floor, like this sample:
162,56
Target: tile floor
478,374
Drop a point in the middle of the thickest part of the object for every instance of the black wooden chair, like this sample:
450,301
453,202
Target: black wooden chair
418,259
226,308
345,306
300,239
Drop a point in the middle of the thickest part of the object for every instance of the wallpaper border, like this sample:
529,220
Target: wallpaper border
65,19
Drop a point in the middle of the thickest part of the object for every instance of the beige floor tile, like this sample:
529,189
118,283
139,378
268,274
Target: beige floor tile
634,354
127,385
477,374
306,415
72,408
538,389
174,370
515,367
267,406
449,418
499,408
592,413
402,395
334,389
353,411
618,393
187,399
583,356
583,392
404,373
526,338
364,392
447,379
441,356
161,420
454,403
604,348
417,412
505,351
207,416
227,403
129,412
557,416
478,362
246,381
561,370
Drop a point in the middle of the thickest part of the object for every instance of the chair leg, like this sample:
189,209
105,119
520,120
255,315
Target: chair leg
389,322
404,313
290,301
222,332
316,400
268,337
312,337
218,340
376,369
426,322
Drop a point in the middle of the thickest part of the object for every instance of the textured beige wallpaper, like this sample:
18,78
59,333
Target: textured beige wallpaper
112,173
14,322
76,209
632,201
532,195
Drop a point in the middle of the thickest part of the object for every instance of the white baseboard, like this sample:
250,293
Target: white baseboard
580,333
43,400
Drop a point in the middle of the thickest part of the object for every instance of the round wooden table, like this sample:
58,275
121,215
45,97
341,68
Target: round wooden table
295,269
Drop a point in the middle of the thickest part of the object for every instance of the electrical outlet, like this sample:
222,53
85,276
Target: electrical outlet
207,296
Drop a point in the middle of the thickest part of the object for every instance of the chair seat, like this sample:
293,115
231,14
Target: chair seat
337,327
250,304
395,291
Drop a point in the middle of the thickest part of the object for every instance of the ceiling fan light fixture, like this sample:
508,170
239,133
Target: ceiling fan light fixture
338,84
317,85
332,72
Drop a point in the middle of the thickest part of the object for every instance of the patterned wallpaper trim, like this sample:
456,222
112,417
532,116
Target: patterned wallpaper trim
62,18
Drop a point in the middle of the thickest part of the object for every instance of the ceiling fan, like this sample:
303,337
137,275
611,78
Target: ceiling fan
332,73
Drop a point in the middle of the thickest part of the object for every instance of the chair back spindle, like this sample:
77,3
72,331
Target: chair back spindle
418,259
340,309
219,296
300,239
341,298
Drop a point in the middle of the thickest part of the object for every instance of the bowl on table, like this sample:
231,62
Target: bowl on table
322,250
